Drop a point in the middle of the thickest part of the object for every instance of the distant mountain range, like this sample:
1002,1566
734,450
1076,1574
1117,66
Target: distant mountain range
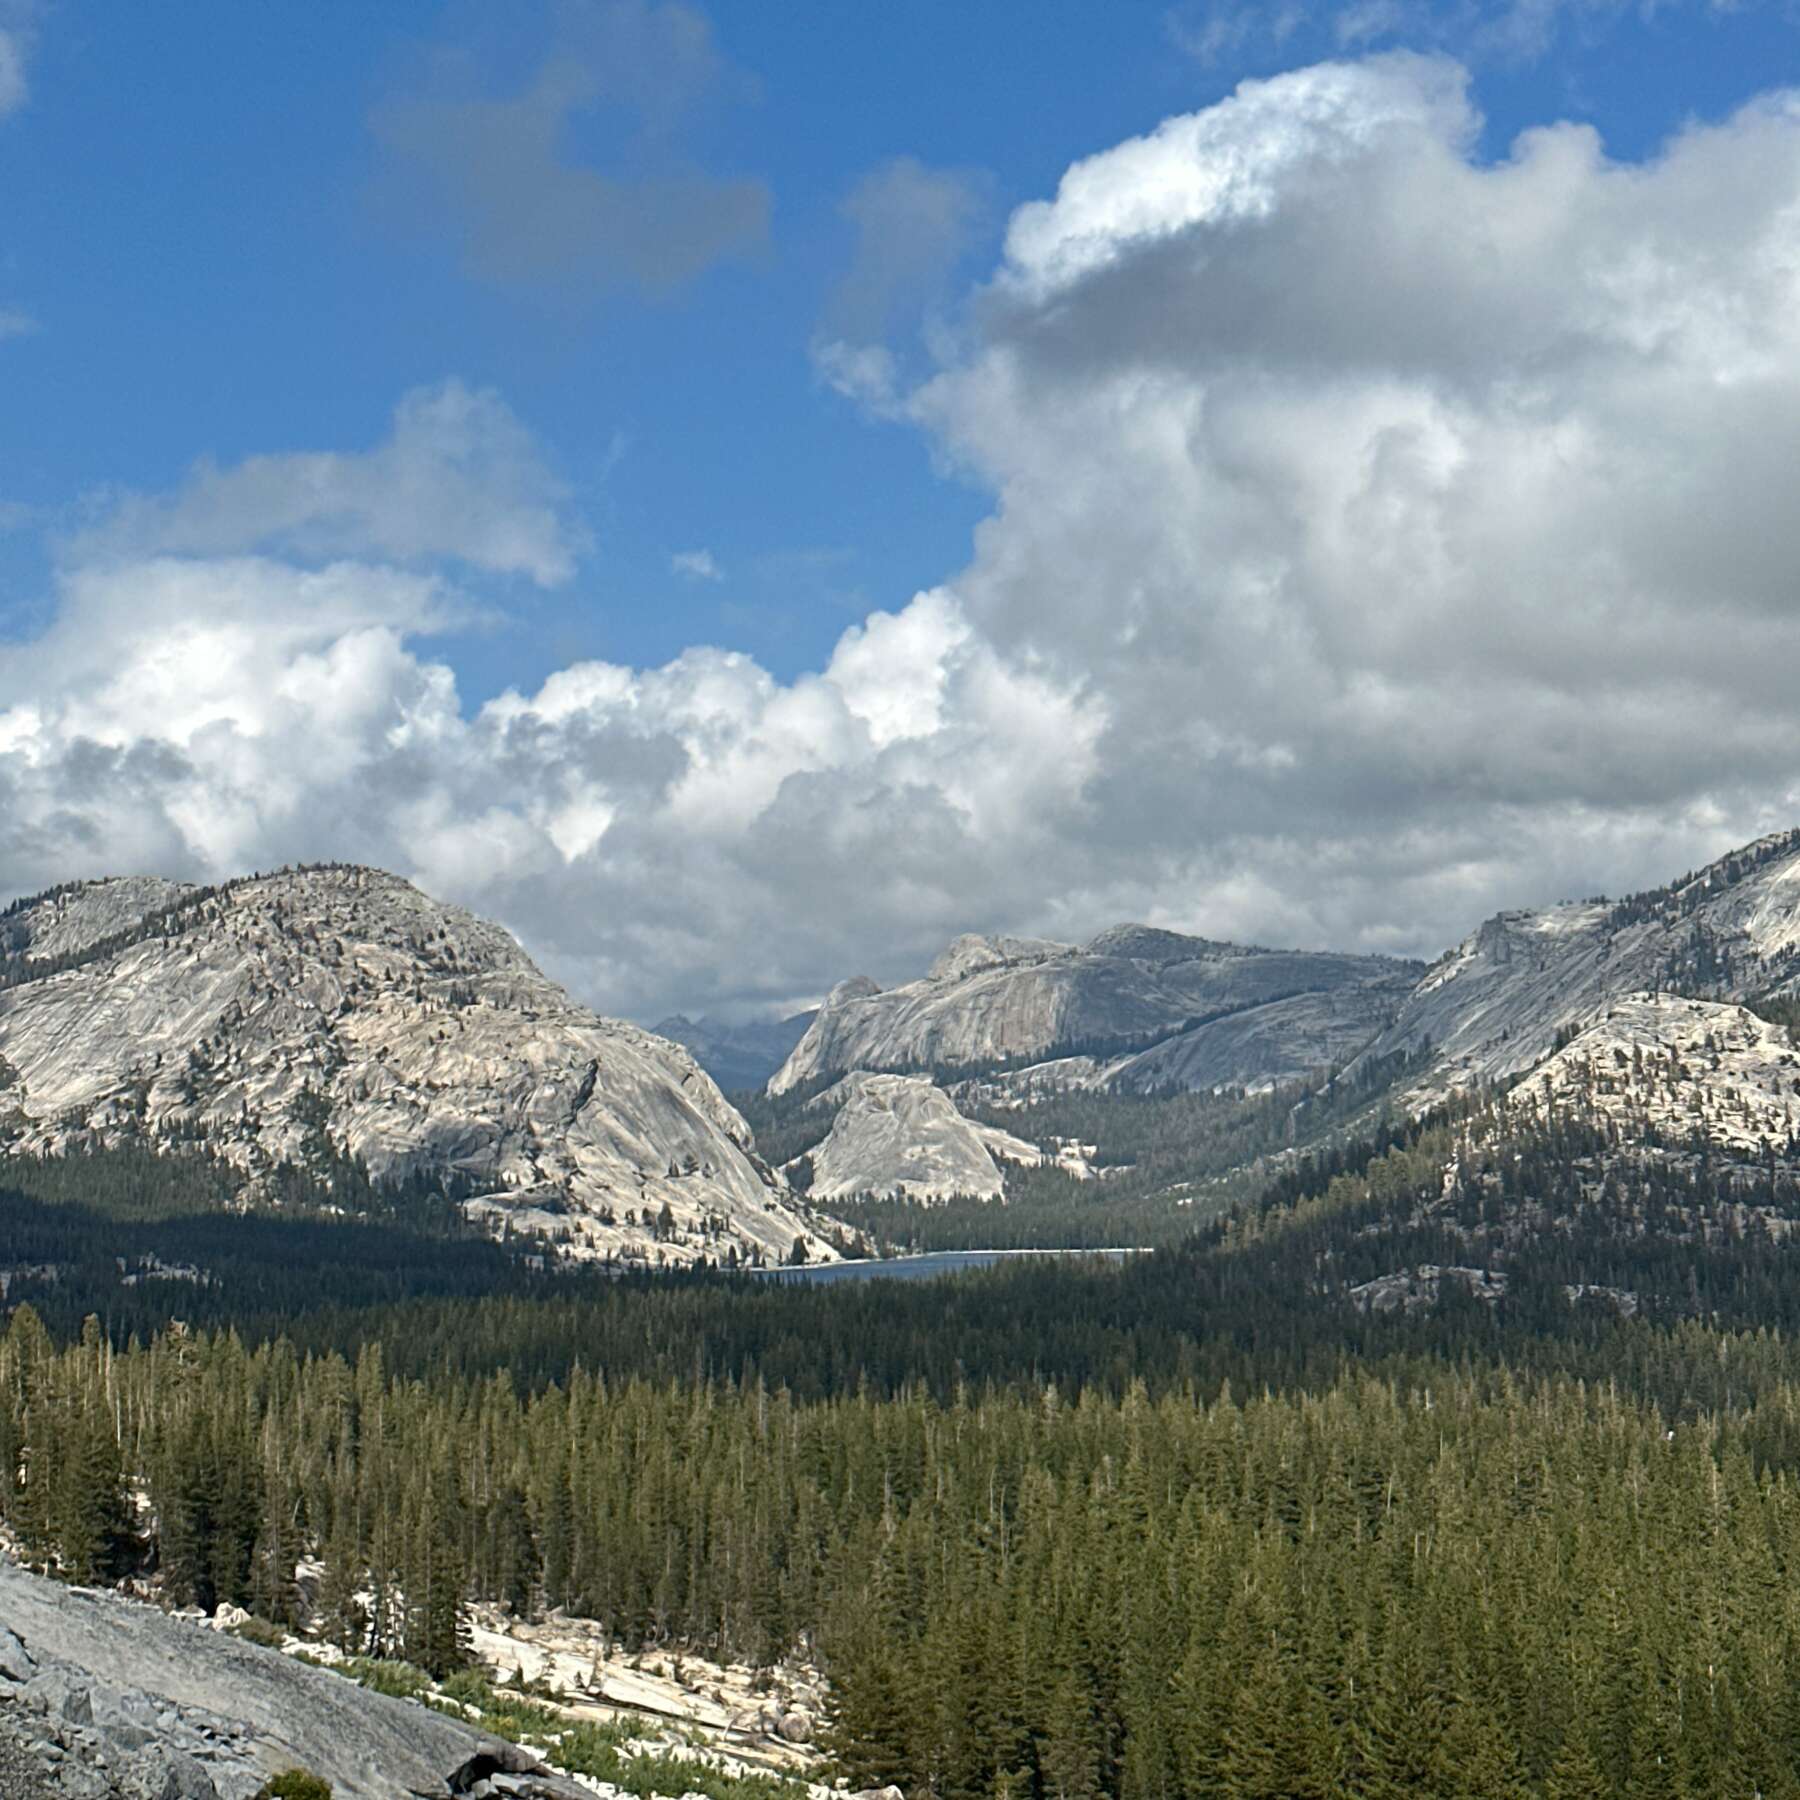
324,1013
738,1057
1638,1008
1141,1010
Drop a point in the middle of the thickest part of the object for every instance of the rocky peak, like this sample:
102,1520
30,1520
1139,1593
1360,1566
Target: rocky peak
286,1017
1512,993
991,1001
858,987
971,953
1152,944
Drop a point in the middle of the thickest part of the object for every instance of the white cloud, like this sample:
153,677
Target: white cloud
459,477
696,565
1507,32
16,322
1209,33
14,89
865,373
1379,537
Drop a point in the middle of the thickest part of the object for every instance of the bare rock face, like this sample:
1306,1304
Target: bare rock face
996,1000
1263,1046
69,920
898,1134
341,1009
1656,1063
116,1701
1515,991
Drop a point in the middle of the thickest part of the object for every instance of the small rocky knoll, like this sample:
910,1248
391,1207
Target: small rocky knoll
899,1134
1654,1063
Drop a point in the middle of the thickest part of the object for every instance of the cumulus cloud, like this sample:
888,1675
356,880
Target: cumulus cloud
458,477
650,834
696,565
497,174
1380,536
1400,502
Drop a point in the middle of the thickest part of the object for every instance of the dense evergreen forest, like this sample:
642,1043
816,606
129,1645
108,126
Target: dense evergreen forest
1211,1522
1446,1580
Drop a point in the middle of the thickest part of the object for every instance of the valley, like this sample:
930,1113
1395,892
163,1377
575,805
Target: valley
322,1308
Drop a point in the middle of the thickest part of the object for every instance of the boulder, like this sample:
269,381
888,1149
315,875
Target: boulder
16,1662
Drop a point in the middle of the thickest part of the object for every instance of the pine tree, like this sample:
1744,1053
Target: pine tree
1576,1773
434,1634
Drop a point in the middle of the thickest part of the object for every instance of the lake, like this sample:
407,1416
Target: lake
921,1268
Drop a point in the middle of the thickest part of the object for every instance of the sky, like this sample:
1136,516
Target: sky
744,494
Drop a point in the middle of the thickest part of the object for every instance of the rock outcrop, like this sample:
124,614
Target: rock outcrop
1658,1065
290,1017
1154,1008
101,1699
898,1134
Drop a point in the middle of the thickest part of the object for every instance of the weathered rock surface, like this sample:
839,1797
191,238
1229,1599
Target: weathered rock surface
1658,1064
68,920
737,1057
278,1016
1264,1046
116,1699
898,1134
1496,1005
996,1000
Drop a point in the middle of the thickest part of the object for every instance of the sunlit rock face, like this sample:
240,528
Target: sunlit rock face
288,1016
1155,1009
1518,988
898,1134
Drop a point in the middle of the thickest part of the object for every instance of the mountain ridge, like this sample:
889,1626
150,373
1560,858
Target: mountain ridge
1131,988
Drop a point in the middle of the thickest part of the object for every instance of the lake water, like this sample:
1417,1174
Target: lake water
922,1268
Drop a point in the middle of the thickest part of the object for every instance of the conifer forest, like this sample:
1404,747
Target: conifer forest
1193,1524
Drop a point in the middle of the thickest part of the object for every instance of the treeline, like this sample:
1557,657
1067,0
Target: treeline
1464,1583
1045,1208
137,1236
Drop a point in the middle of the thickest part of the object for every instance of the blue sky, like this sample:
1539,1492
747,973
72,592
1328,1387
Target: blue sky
611,244
195,222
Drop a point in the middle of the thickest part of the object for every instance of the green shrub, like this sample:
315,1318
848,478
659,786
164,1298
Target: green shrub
398,1680
295,1784
597,1750
260,1631
469,1686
